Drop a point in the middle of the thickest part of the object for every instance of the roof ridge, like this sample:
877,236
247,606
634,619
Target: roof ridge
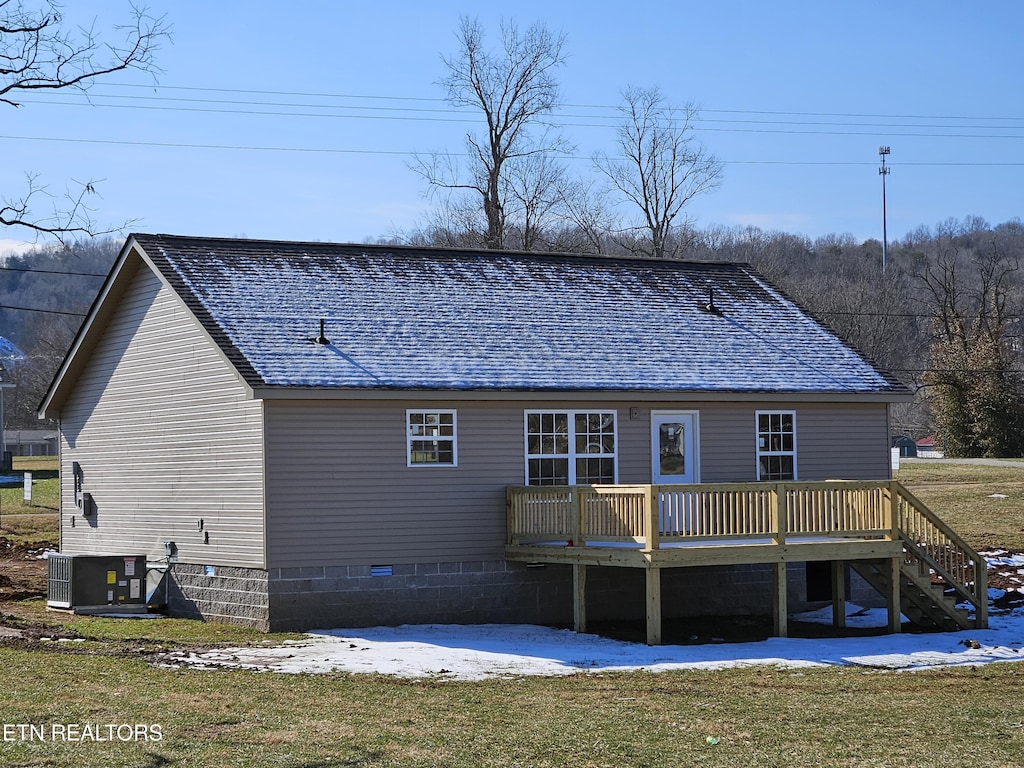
435,249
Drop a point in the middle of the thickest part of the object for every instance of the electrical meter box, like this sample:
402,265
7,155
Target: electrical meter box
79,581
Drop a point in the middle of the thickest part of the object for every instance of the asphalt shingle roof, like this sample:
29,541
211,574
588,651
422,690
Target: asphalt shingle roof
422,318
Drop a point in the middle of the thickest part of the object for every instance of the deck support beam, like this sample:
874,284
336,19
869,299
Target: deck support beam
653,606
579,597
892,600
839,594
780,607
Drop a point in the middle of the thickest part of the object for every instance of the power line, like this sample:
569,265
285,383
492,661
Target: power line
610,107
468,117
46,311
52,272
411,153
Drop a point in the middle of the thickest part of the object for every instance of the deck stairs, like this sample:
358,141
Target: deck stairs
923,603
942,580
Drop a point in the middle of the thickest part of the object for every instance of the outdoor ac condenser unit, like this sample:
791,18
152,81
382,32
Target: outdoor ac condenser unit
81,581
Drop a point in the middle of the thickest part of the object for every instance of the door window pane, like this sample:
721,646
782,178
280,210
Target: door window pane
672,448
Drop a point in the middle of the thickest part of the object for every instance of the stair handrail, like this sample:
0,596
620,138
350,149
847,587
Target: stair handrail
978,595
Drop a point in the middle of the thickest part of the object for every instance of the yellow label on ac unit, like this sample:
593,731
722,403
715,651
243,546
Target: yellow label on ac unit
111,577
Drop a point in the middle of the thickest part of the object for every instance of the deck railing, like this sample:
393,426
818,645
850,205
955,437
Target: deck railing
933,548
654,515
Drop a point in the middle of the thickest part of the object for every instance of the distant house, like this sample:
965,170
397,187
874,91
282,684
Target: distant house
311,434
927,448
10,356
31,442
5,455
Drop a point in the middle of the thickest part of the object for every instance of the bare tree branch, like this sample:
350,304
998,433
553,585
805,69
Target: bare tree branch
38,52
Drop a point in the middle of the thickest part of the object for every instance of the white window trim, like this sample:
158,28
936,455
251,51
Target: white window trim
409,438
572,455
757,444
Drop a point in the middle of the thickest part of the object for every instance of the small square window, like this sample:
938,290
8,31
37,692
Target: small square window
431,438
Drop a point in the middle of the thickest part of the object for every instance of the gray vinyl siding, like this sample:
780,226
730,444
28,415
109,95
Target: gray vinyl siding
166,437
339,491
842,442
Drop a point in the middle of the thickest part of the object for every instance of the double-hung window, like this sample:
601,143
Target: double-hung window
571,447
776,445
431,438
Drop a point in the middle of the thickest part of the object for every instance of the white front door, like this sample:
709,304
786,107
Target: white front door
674,447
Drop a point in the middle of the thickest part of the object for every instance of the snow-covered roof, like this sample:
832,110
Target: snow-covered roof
444,319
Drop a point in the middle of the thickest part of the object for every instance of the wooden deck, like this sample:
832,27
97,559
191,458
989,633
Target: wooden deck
878,524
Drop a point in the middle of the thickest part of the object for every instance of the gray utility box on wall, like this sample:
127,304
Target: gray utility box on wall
77,581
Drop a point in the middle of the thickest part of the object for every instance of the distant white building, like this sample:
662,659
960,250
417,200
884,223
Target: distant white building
926,448
31,442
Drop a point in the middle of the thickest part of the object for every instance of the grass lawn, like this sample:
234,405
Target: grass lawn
28,522
762,716
966,496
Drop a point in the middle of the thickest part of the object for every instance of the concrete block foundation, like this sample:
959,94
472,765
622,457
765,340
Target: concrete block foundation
493,591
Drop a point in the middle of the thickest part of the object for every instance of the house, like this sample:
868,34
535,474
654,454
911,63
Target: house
10,356
5,454
308,434
928,448
31,442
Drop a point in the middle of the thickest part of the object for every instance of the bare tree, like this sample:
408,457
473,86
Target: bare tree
663,166
513,90
40,52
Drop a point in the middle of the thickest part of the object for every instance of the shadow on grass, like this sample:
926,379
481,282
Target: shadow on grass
37,475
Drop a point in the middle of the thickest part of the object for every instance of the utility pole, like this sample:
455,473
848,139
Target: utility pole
883,172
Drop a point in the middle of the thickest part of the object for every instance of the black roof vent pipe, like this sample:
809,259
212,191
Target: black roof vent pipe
710,307
321,339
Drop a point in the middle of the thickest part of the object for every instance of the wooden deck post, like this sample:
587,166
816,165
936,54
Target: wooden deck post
579,597
780,606
652,518
839,594
981,591
653,605
893,598
781,510
576,510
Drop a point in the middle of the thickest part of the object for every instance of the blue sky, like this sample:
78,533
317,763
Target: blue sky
298,121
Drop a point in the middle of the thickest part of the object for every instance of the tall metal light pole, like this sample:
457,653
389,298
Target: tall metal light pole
883,172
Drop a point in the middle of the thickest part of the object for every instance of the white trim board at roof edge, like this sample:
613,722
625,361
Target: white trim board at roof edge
623,397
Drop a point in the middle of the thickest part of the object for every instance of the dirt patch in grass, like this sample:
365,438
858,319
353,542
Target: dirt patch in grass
22,572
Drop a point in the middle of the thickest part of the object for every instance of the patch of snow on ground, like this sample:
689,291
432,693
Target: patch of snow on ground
476,652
